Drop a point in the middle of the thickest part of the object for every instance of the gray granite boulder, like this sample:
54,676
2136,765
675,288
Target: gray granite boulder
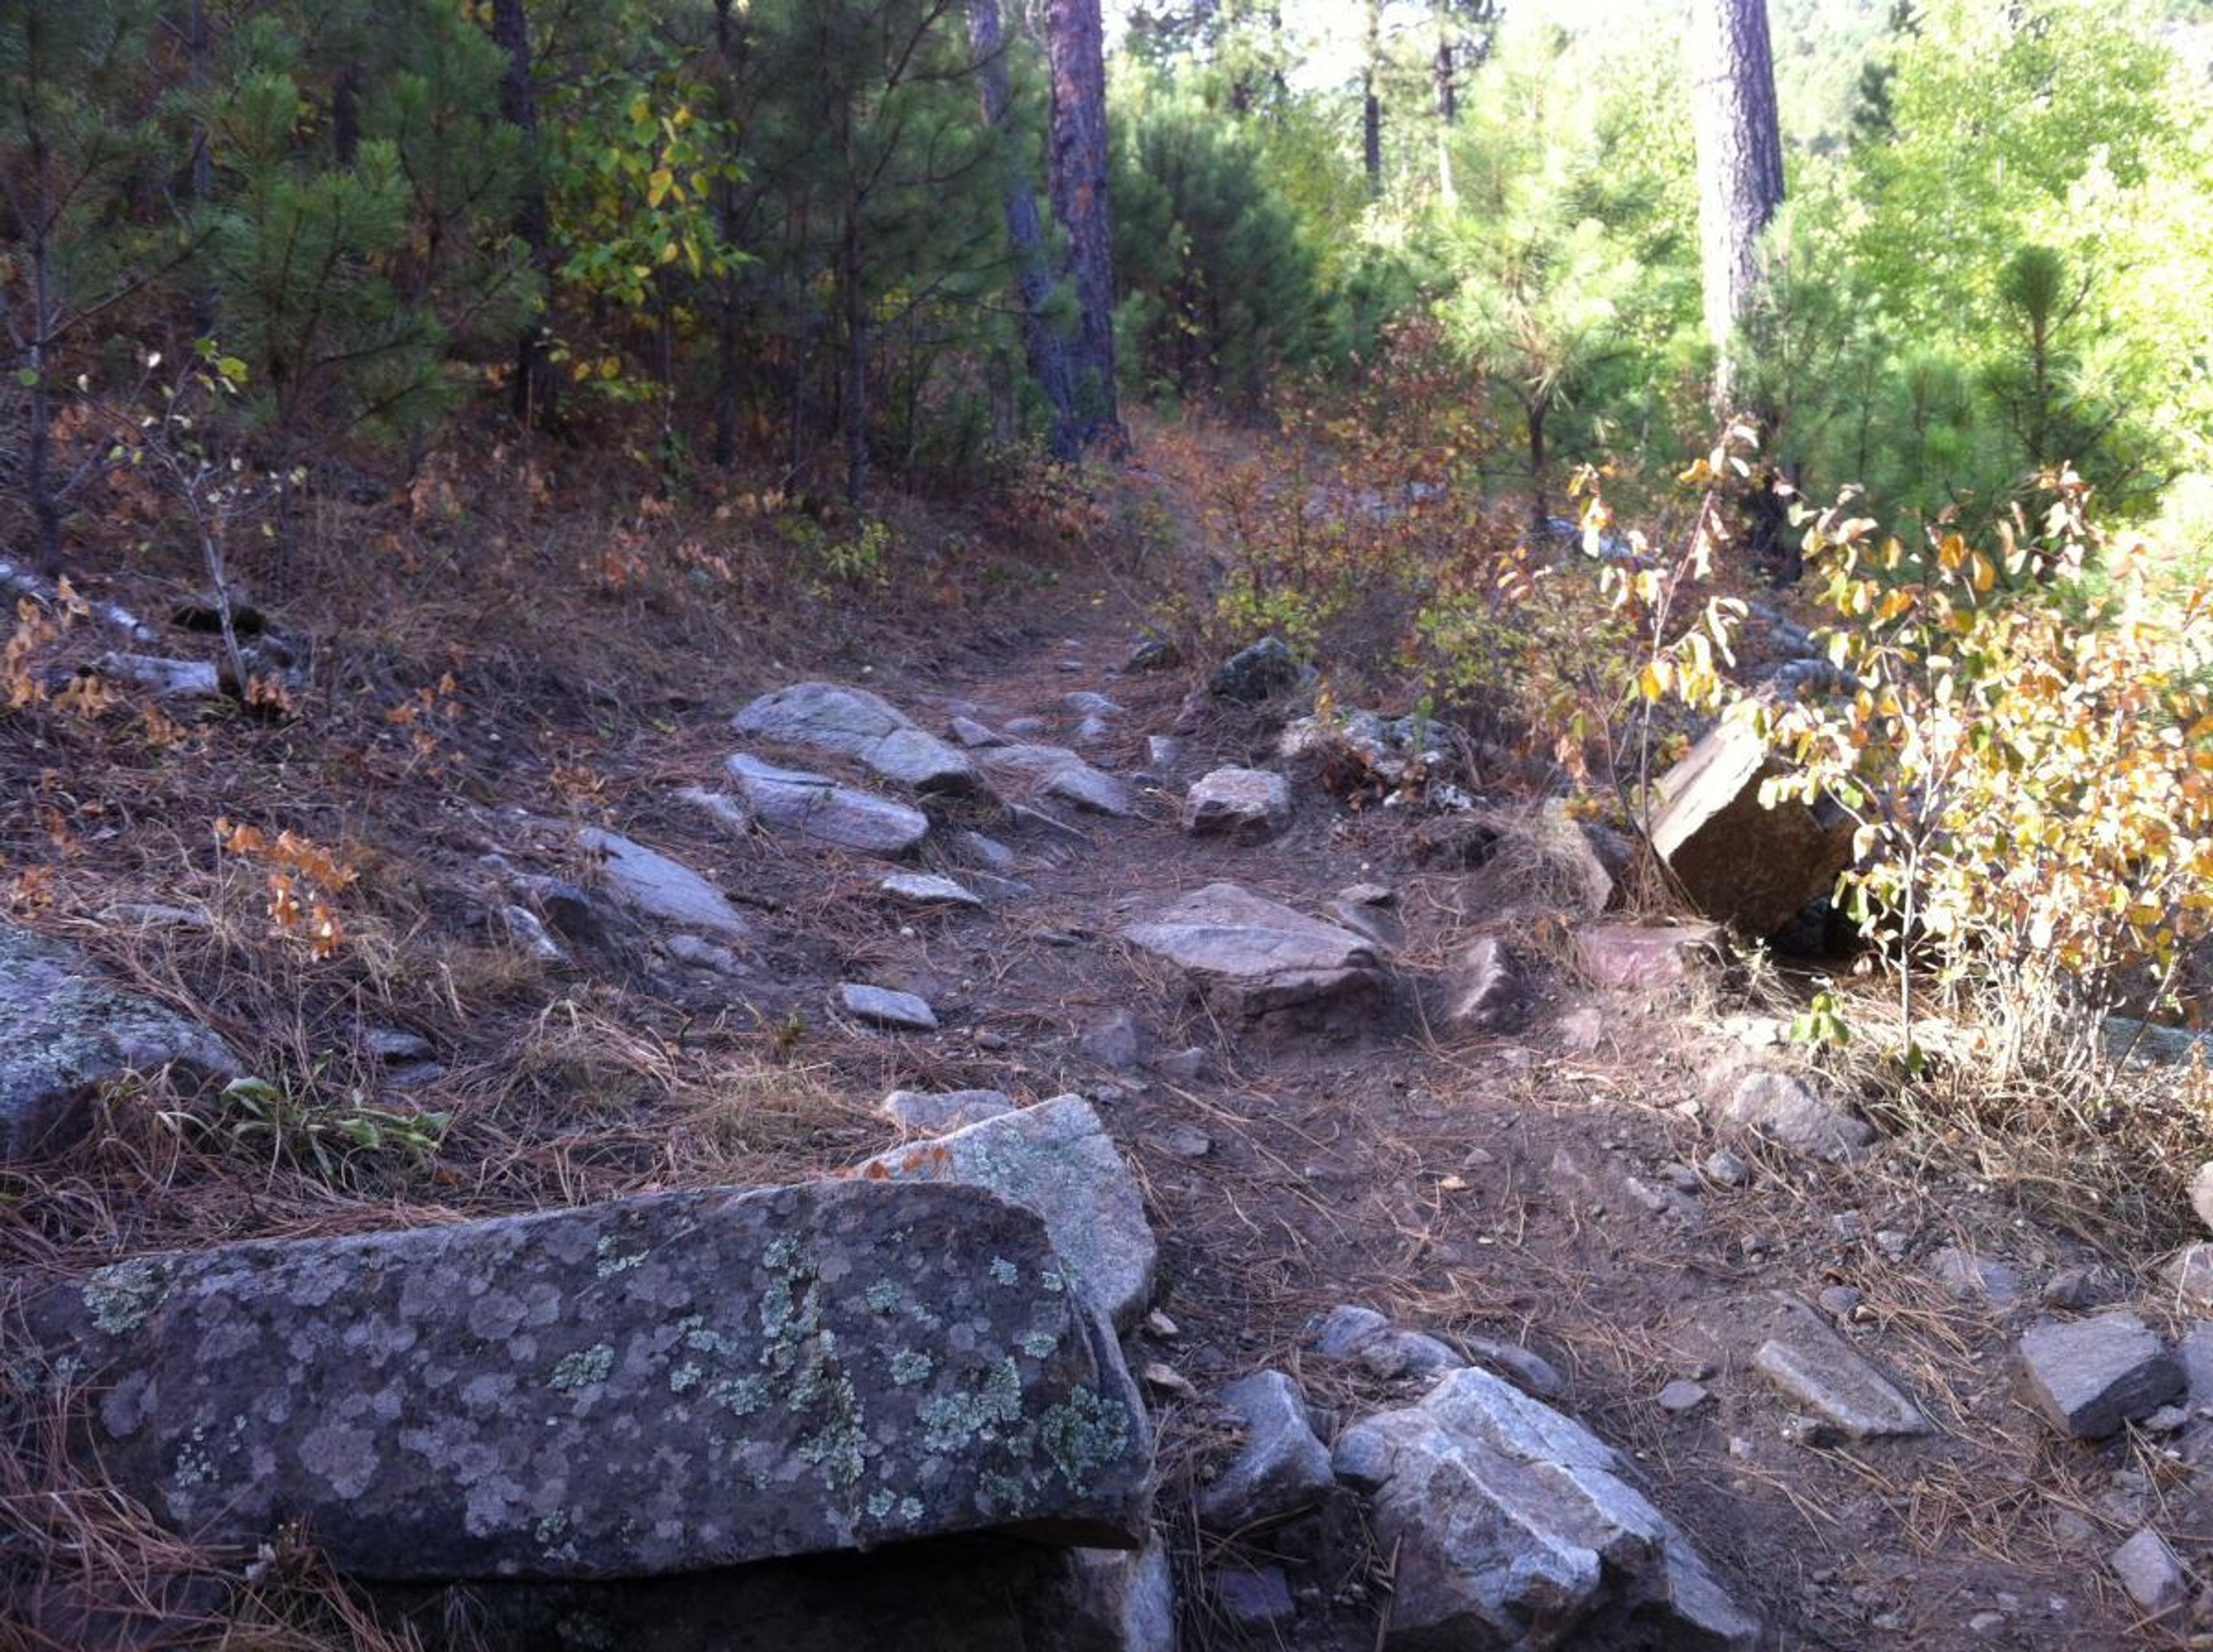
65,1030
1253,958
1246,806
814,806
2089,1377
1279,1469
928,889
933,1112
1056,1159
658,1384
1645,958
1255,673
853,722
654,886
1790,1111
1814,1367
880,1006
1515,1527
1056,773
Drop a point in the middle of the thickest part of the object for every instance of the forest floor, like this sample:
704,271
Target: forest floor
1542,1188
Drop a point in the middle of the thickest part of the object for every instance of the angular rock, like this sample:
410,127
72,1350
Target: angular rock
1339,1333
1083,703
933,1114
2189,1273
1484,994
927,889
1255,958
703,954
65,1030
1246,806
1515,1527
1531,1371
853,722
1279,1469
654,886
2090,1376
883,1006
1742,865
973,735
2193,1351
1056,773
1154,654
652,1384
1255,673
1816,1369
2147,1044
1789,1111
1056,1159
1640,958
1255,1600
1411,1356
1116,1041
814,806
1683,1395
1971,1278
1162,752
2150,1574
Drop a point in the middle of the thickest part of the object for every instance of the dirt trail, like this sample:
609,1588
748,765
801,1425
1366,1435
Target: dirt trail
1512,1189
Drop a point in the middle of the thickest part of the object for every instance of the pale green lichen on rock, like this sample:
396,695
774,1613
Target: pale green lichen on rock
611,1262
951,1422
910,1366
883,1296
119,1297
686,1377
1086,1433
584,1368
1040,1344
1005,1271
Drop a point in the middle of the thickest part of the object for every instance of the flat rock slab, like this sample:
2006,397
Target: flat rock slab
853,722
1742,865
652,886
879,1006
654,1384
1057,1159
933,1112
2088,1377
928,889
1515,1527
1279,1469
1816,1369
814,806
1638,958
65,1030
1246,806
1253,957
1056,773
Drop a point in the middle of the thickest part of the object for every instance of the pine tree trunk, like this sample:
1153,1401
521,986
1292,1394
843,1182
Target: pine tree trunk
535,386
1078,62
1371,102
1041,343
1740,168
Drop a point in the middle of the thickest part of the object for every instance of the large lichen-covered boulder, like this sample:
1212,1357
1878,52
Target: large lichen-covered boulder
1751,867
654,1384
1516,1527
853,722
1057,1159
65,1030
1257,960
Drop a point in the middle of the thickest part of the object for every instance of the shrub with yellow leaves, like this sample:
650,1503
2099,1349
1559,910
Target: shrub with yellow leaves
2027,745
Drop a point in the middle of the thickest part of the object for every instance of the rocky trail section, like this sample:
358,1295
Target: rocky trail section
1305,1227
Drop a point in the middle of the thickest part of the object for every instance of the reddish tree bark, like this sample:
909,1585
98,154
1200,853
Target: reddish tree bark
1077,53
1740,166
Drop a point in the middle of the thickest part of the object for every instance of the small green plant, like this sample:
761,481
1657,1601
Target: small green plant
1822,1023
297,1127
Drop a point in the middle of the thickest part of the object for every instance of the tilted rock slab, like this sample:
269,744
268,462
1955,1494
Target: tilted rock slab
853,722
65,1030
1515,1529
1056,773
814,806
652,886
1057,1159
1749,866
1246,806
1253,957
656,1385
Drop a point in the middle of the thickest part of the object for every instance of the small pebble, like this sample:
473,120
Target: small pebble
1681,1395
1838,1301
1725,1168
